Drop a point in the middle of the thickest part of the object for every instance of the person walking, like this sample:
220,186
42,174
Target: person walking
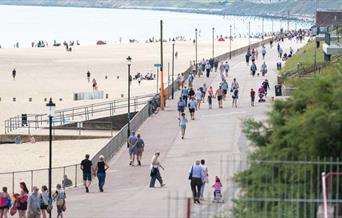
182,124
247,56
208,69
266,86
14,73
5,203
219,95
132,149
235,85
22,200
44,201
252,95
210,97
86,167
263,52
34,204
100,172
185,94
253,68
226,68
198,97
263,69
155,173
192,107
140,149
88,76
204,91
196,177
221,68
235,96
206,178
59,196
224,88
180,107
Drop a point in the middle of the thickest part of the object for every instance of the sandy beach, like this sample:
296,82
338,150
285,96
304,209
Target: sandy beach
53,72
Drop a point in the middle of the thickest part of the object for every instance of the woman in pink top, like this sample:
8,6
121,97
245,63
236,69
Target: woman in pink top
210,96
217,187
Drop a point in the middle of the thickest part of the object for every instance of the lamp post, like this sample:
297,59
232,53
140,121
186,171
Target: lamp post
173,68
263,27
230,41
51,113
196,50
249,33
129,60
213,38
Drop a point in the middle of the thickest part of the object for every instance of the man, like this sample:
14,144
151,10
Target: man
132,149
266,86
196,176
14,73
192,107
86,167
253,68
224,88
252,94
263,69
206,177
263,51
140,149
219,95
198,96
226,68
208,69
34,204
155,174
185,94
88,76
235,84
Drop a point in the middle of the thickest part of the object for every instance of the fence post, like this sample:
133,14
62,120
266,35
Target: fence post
31,179
188,208
13,182
76,175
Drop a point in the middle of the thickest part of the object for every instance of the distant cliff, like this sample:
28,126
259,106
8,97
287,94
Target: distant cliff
278,8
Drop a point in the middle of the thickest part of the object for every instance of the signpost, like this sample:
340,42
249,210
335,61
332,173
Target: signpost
157,76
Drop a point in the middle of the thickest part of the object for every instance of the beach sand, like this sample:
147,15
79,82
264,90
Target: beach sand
53,72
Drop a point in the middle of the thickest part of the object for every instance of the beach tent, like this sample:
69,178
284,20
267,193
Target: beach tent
100,42
221,39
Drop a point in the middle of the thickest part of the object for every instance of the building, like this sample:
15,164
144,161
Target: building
325,18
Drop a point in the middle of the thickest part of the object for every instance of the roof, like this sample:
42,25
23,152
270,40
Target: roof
326,18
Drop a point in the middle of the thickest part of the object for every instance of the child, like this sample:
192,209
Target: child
252,94
217,189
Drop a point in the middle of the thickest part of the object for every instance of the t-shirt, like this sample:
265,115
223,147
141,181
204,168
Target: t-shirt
198,95
132,140
140,144
185,92
192,104
86,165
224,86
34,202
181,105
252,93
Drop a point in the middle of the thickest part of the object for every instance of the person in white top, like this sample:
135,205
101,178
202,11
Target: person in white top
226,68
206,177
155,174
198,96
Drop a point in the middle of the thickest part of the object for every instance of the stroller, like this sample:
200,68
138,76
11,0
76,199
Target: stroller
218,198
262,93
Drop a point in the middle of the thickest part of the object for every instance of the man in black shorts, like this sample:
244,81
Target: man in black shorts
86,167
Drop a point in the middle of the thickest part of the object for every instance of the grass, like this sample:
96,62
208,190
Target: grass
304,56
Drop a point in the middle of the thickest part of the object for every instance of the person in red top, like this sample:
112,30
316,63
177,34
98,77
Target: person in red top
252,94
261,92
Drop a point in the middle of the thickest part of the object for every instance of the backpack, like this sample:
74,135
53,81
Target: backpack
253,67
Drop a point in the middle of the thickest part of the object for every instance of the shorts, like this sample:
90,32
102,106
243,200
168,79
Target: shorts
182,126
225,91
181,109
140,151
219,98
192,110
43,207
4,207
86,176
22,206
252,98
132,151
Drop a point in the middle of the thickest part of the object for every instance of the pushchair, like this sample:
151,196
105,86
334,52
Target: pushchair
218,198
261,97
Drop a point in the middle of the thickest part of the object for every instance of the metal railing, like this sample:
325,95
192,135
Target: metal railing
76,114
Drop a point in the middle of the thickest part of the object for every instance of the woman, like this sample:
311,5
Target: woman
210,96
5,203
219,95
155,174
59,196
180,107
182,124
44,200
235,96
22,200
100,169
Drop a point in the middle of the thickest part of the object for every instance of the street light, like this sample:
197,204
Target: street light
196,50
173,68
51,113
230,42
249,33
129,60
213,49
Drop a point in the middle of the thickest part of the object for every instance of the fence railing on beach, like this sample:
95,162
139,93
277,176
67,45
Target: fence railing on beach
76,114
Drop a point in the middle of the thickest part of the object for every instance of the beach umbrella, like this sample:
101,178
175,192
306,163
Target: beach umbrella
221,39
100,42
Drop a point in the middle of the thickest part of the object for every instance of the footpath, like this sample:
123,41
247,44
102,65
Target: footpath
214,135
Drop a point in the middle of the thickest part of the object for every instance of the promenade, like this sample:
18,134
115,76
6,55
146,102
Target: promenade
213,135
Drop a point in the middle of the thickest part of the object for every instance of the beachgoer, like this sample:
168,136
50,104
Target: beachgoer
217,188
204,91
191,93
235,85
208,69
185,94
221,68
140,149
252,95
263,51
182,124
88,76
66,182
86,167
94,85
210,97
263,69
132,149
224,85
44,200
219,95
247,56
59,196
34,204
266,86
100,172
155,173
22,200
235,96
14,73
192,107
226,68
5,202
196,176
253,68
180,107
206,177
198,97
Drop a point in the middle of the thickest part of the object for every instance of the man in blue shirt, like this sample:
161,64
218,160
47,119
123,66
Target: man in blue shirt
185,93
196,175
132,148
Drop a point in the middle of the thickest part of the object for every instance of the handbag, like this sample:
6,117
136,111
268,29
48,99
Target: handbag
190,174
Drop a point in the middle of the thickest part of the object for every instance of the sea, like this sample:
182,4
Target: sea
27,24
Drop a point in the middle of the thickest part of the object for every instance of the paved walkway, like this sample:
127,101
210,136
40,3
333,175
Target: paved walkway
212,136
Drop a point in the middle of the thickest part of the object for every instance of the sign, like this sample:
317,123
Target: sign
157,65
